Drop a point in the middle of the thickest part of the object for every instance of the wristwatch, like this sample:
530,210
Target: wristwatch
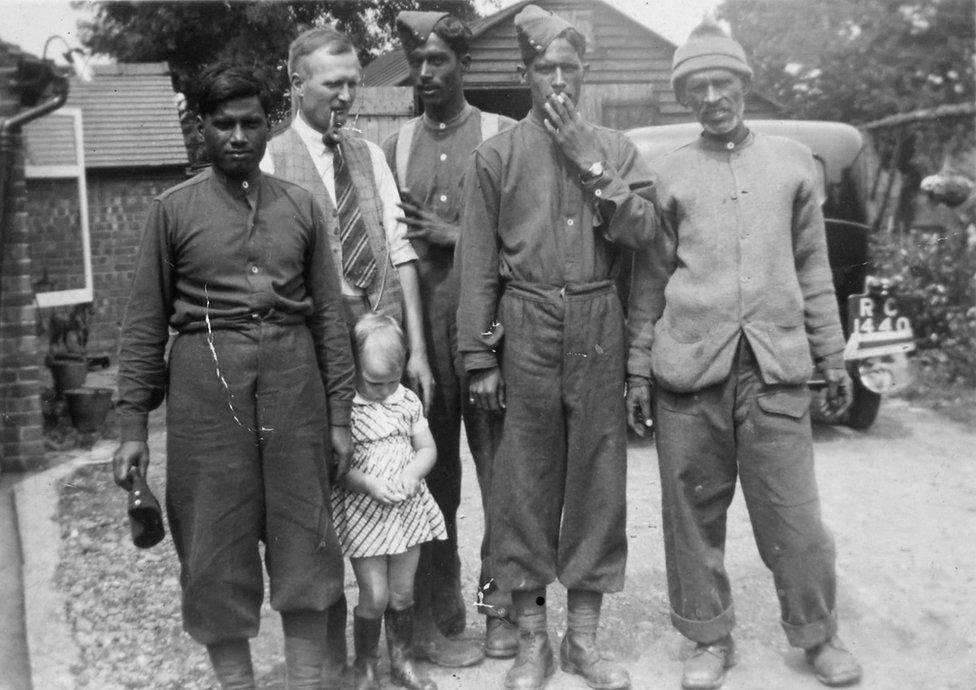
593,172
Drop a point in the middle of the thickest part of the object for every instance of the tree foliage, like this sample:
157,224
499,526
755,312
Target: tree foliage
190,35
857,60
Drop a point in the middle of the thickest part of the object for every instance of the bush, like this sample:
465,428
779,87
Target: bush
934,272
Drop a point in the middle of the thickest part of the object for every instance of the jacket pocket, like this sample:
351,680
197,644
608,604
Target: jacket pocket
793,402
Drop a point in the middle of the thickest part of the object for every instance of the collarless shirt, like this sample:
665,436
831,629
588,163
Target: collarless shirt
528,217
222,253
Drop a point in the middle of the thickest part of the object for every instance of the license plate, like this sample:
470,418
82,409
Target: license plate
876,327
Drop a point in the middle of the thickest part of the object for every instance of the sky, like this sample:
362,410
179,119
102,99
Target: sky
30,23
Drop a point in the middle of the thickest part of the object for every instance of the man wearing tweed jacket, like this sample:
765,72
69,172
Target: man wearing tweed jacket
726,308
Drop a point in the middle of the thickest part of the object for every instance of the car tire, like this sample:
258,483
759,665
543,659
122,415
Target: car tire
864,409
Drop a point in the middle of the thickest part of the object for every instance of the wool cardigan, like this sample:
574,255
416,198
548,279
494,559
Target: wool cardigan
742,252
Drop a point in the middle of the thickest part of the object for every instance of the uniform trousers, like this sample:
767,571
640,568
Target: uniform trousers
482,428
760,433
247,454
558,489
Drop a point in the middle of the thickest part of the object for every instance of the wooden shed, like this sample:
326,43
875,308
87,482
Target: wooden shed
628,84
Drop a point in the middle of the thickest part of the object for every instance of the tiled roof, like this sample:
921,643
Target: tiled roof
129,119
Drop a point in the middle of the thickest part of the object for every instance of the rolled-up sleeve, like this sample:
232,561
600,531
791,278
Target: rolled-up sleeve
327,324
401,251
476,259
145,329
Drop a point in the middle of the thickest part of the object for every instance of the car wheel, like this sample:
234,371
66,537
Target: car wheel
864,409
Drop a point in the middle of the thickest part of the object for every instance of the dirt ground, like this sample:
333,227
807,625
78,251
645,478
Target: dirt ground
900,500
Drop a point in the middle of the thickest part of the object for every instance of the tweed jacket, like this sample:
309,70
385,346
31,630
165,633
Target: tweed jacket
742,253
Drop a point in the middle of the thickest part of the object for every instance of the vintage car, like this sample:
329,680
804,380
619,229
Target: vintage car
878,336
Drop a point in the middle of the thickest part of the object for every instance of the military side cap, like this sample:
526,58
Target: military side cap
538,27
416,27
708,47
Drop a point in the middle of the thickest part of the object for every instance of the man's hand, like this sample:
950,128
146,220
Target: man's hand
639,409
421,379
486,389
341,449
840,391
571,132
130,454
424,224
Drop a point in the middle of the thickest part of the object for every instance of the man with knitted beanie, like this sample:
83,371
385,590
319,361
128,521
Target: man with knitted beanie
728,354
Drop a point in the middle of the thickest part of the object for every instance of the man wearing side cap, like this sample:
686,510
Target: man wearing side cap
375,264
429,156
726,307
540,330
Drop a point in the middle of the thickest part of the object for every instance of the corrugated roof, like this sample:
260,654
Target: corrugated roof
129,119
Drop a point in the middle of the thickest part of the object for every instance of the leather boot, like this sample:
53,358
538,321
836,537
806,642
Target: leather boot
578,652
501,637
335,666
533,664
429,642
399,642
366,640
447,603
304,648
833,664
231,661
705,668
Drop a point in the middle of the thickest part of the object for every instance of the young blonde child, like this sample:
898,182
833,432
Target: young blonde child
382,508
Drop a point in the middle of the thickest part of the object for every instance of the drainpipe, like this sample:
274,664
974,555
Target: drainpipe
9,129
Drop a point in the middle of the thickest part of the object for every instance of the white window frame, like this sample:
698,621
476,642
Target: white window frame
61,298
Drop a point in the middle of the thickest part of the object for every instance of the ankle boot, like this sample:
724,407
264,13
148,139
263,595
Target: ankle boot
231,661
447,603
366,640
579,653
429,642
533,664
335,664
399,641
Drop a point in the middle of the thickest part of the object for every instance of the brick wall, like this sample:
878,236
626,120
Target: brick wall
21,440
118,201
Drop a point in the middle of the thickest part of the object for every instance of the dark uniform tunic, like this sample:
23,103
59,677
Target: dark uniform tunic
537,262
439,153
260,365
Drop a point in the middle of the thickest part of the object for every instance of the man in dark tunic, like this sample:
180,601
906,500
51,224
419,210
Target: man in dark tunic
540,330
429,156
726,309
259,385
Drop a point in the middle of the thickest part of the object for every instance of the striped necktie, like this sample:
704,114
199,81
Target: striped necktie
358,263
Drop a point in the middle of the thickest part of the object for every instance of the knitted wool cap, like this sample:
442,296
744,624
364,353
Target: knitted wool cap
708,47
538,27
415,27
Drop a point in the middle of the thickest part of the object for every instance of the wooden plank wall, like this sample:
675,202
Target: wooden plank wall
379,111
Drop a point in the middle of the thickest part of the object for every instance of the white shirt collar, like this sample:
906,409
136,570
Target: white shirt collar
311,137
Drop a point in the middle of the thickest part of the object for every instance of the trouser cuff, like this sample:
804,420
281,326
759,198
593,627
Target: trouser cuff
810,635
705,631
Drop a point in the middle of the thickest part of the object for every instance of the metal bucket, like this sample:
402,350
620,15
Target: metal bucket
68,373
88,407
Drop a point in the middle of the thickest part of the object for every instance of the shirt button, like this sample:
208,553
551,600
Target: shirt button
443,156
442,126
570,221
730,146
245,185
254,269
443,197
599,192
